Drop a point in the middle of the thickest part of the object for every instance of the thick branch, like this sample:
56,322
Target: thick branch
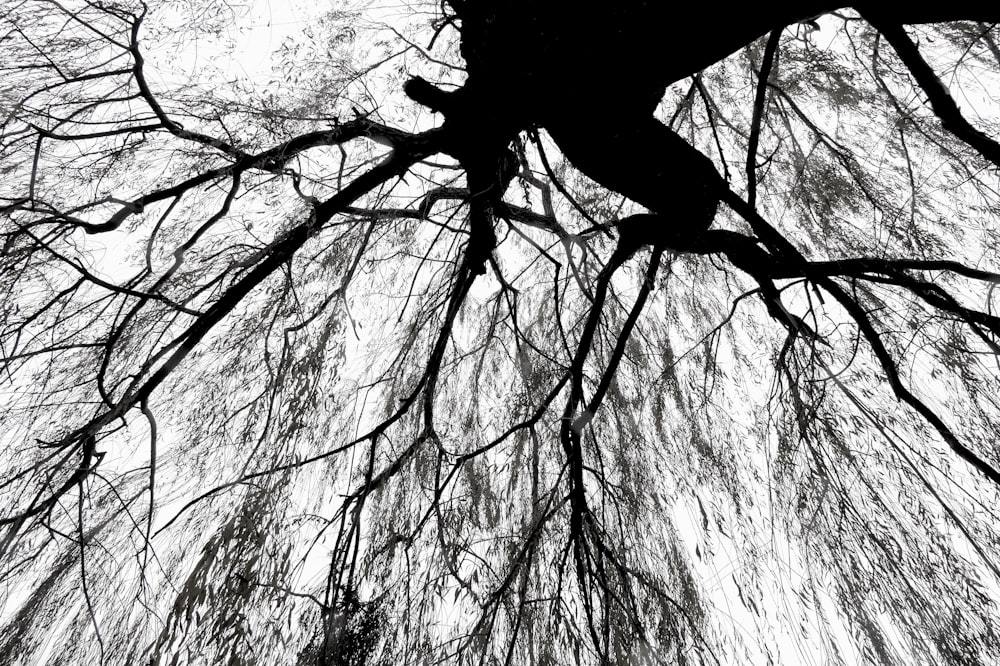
942,103
640,157
758,113
554,52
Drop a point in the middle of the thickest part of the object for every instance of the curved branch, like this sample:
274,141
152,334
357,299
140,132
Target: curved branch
784,250
172,126
942,103
418,148
272,159
892,375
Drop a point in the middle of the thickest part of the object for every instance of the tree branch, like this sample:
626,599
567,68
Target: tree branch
942,103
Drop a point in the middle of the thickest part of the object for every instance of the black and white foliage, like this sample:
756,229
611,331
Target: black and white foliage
496,331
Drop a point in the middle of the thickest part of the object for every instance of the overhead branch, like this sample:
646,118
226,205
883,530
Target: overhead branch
891,371
273,159
418,147
168,123
941,101
767,64
789,255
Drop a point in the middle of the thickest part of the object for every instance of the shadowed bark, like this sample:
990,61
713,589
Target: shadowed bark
592,73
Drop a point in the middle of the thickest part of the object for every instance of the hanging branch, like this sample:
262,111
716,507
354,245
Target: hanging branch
941,101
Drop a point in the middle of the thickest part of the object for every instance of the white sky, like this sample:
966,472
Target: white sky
245,49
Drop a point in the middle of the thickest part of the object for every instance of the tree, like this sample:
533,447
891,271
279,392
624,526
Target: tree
500,332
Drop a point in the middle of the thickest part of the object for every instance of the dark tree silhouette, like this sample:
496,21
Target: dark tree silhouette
500,332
